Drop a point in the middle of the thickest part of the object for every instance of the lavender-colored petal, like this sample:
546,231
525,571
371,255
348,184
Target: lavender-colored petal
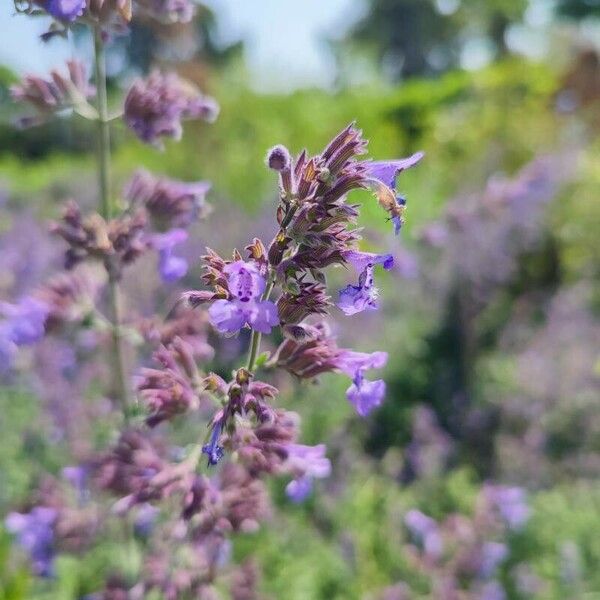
264,316
351,363
361,260
66,10
171,268
354,299
298,490
25,321
245,281
226,316
386,170
366,395
213,451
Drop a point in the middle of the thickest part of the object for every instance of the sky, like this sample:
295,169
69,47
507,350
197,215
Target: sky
283,38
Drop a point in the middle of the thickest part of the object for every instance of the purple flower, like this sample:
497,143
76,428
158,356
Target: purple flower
65,10
491,556
145,519
155,107
246,285
78,476
425,532
25,321
383,176
171,267
35,534
357,298
307,463
363,394
361,260
169,202
511,504
213,451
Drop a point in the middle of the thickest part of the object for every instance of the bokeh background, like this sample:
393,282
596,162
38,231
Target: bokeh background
490,318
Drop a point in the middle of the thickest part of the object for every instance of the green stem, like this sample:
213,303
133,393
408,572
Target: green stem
120,383
256,335
103,125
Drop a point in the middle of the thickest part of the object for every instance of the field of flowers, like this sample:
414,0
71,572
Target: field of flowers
323,345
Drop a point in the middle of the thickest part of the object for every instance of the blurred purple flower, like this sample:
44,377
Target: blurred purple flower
492,590
425,532
246,285
155,107
511,504
78,476
357,298
171,203
25,321
171,268
64,10
307,463
491,556
213,450
35,534
363,394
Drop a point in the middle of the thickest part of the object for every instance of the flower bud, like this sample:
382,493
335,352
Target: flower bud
278,158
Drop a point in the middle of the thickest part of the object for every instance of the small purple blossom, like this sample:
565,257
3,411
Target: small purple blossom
425,532
361,260
171,267
491,556
213,451
25,321
363,394
357,298
35,534
383,176
307,463
65,10
246,285
78,476
511,504
155,107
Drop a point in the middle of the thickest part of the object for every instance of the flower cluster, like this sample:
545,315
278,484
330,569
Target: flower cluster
49,96
155,107
192,498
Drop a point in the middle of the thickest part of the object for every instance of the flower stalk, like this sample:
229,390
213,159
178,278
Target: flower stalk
106,208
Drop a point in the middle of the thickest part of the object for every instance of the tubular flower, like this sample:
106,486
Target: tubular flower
306,463
170,267
382,175
244,307
356,298
155,107
49,96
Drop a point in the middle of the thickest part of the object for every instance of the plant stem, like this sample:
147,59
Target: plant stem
103,126
106,208
256,335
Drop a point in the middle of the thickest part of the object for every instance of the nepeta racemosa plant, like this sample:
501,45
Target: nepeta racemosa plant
180,507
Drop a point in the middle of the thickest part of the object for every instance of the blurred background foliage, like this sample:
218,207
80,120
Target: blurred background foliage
510,375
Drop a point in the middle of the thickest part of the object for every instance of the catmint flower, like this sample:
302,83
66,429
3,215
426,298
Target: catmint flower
510,503
59,92
64,10
246,286
383,176
356,298
25,321
155,107
363,394
213,450
34,532
78,476
307,463
170,267
425,532
170,203
491,556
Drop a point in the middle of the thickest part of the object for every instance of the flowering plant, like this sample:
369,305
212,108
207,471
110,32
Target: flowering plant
277,289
